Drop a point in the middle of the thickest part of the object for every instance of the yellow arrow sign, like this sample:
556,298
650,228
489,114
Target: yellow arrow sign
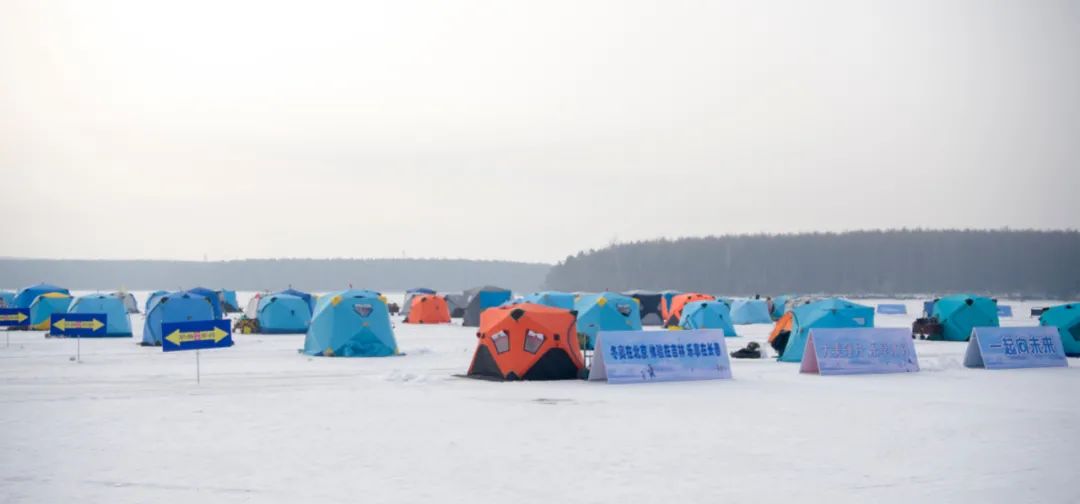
17,317
178,338
66,325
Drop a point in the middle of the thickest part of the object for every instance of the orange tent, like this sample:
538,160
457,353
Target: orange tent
527,342
678,302
428,309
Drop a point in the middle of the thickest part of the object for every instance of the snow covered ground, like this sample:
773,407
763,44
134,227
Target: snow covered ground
267,424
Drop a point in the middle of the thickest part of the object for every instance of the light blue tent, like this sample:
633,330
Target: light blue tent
832,313
554,299
213,296
283,313
1066,318
153,297
306,296
26,296
959,314
174,307
779,306
231,304
117,322
44,306
750,311
607,311
352,323
707,315
7,299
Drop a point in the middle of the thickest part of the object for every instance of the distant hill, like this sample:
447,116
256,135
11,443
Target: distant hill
259,274
1004,263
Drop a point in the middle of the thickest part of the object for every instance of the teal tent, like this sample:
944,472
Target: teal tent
352,323
174,307
117,323
831,313
27,295
44,306
1066,318
779,306
960,313
152,298
7,299
707,315
554,299
750,311
607,311
283,313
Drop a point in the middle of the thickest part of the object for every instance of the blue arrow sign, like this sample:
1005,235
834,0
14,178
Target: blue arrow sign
14,316
77,324
196,335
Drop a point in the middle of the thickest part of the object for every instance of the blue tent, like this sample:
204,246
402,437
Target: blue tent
554,299
117,322
153,297
607,311
352,323
229,298
707,315
307,297
960,313
750,311
7,299
213,296
174,307
26,296
44,306
829,313
779,304
1066,318
283,313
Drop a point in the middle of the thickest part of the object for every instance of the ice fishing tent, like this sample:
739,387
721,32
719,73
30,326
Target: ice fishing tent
959,314
174,307
675,307
308,298
213,296
778,306
351,323
117,322
26,296
527,342
44,306
406,305
666,298
153,298
1066,318
128,299
7,299
707,315
428,309
648,306
480,299
554,299
829,313
606,311
457,304
280,313
750,311
230,303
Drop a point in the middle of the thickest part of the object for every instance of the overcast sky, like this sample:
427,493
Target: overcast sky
524,130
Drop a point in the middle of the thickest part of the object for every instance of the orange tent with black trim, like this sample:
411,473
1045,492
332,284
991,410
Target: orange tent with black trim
428,309
674,313
527,342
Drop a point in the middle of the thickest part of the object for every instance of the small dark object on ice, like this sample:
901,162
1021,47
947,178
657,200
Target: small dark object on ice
752,351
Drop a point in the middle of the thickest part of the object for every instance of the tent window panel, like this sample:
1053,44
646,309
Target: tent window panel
624,309
501,341
533,341
363,309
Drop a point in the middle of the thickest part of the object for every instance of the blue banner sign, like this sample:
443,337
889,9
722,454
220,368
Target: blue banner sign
77,324
1014,348
859,351
648,356
14,317
196,335
1004,311
892,309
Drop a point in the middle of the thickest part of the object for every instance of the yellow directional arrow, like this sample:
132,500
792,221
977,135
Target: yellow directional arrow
178,338
17,317
65,325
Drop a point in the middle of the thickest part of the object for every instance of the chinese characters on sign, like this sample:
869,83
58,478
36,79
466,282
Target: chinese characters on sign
641,356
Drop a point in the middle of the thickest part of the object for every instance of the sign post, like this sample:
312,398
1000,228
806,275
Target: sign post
78,325
654,356
196,335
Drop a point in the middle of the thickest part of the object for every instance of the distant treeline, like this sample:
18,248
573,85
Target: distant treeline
1003,263
272,274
